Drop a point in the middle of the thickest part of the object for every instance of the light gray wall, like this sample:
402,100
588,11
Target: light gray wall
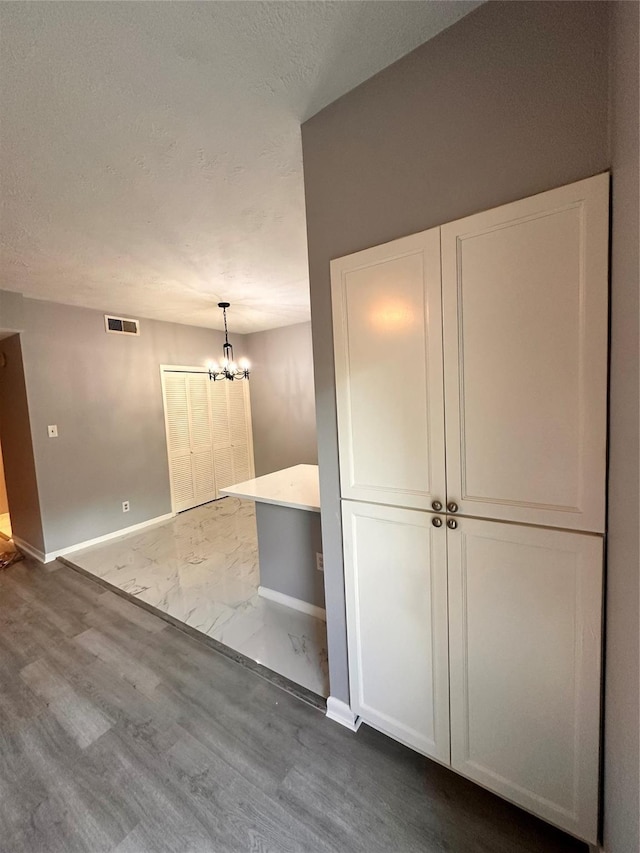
103,392
11,318
509,101
282,398
15,434
288,541
622,724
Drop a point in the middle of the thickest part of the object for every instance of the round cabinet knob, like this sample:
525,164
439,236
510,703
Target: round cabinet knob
452,523
437,522
436,506
452,507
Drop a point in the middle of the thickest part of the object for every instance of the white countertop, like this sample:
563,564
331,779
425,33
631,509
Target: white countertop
295,487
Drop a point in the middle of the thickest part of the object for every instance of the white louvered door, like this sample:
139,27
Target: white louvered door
201,430
232,439
178,440
209,439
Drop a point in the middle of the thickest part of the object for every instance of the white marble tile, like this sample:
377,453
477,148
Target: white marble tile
202,568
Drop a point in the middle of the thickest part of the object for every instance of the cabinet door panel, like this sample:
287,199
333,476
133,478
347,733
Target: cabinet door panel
525,634
396,589
525,338
388,351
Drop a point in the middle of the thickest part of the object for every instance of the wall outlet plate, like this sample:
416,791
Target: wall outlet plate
125,506
52,430
319,562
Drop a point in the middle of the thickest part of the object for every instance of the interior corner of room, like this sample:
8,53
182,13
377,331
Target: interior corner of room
419,513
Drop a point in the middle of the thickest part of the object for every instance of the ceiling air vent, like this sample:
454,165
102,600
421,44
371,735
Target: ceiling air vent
121,325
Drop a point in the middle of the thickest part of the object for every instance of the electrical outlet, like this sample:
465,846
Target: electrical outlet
125,506
319,562
52,430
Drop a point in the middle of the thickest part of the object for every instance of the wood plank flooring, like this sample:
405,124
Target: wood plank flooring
120,733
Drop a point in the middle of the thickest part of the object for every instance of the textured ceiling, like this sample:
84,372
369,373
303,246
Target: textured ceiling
150,158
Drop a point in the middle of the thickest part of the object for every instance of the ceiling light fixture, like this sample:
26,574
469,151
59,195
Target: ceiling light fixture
228,369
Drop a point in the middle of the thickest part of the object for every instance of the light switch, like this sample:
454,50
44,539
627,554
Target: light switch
52,430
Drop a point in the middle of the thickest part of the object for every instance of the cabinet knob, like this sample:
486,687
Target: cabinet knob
452,523
436,506
437,521
452,506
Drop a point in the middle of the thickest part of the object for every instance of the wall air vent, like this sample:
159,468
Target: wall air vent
121,325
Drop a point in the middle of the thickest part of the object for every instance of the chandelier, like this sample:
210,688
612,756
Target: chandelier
228,369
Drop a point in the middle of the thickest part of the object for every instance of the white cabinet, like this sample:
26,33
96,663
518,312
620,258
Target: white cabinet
524,645
388,338
209,440
398,666
525,353
471,365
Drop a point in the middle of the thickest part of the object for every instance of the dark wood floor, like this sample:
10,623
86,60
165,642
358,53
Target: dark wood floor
120,733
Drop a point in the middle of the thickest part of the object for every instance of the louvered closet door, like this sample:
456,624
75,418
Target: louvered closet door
202,469
178,440
525,340
241,440
232,441
388,352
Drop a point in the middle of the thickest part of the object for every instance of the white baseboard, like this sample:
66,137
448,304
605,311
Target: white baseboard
340,712
29,549
62,552
295,603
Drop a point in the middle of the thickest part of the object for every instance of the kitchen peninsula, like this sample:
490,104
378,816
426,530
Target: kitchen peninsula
289,536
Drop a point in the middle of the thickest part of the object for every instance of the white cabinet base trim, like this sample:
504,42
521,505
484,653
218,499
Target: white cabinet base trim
340,712
295,603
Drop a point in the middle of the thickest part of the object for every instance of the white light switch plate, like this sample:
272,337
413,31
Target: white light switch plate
52,431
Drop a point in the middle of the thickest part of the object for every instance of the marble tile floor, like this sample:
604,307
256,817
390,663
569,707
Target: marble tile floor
5,525
201,568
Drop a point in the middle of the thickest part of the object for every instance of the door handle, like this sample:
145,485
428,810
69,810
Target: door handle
437,521
452,506
452,523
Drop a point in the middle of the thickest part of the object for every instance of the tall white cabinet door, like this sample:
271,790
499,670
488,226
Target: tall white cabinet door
525,641
388,361
396,591
525,340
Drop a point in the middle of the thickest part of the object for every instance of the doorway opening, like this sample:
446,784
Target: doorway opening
5,516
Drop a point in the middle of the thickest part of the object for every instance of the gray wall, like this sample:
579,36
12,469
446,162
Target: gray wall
289,540
103,392
282,398
509,101
622,723
15,434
